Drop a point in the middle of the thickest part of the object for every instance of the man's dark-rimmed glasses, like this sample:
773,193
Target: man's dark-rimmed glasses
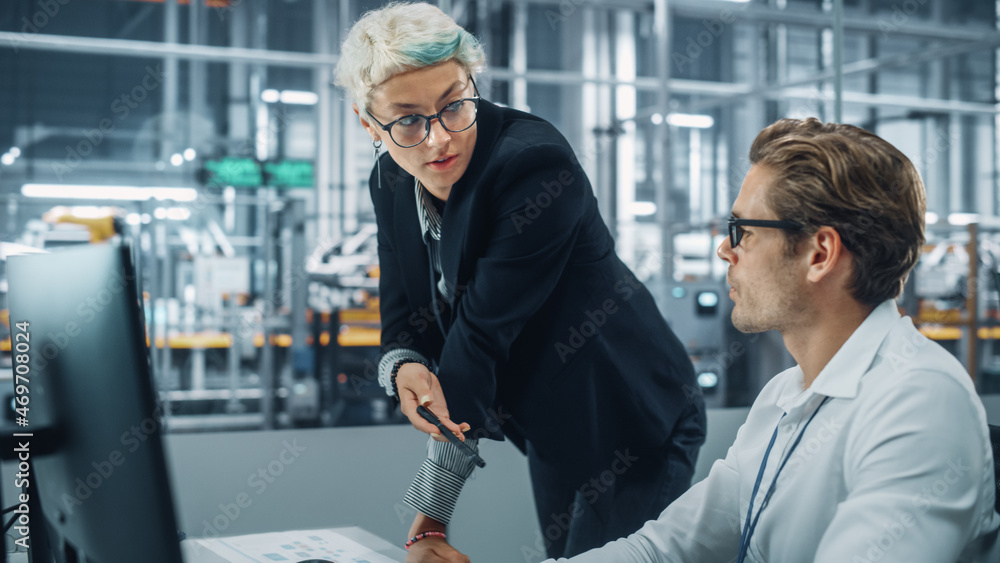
736,227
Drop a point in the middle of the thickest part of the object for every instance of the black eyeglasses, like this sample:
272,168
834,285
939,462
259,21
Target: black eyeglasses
411,130
736,227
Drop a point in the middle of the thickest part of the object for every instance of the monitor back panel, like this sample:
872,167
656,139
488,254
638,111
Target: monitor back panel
104,491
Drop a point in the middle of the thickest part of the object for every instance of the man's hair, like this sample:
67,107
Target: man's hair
399,38
856,182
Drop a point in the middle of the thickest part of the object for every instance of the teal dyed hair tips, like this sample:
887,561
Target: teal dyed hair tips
397,38
427,54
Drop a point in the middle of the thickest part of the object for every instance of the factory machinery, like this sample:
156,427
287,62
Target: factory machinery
953,294
255,331
263,332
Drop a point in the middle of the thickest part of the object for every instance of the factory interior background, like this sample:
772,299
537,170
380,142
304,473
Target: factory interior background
208,135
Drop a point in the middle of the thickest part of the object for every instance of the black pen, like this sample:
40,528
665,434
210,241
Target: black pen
433,419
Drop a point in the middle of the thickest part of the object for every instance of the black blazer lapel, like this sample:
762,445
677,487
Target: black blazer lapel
458,210
410,247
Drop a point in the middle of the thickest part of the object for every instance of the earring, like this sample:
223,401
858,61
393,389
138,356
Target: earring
378,162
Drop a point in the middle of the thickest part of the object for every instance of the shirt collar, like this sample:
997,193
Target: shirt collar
430,219
841,377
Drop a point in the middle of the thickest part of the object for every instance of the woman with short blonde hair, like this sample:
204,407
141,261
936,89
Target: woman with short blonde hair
501,291
402,37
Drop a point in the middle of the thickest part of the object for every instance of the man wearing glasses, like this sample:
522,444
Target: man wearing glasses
875,446
505,310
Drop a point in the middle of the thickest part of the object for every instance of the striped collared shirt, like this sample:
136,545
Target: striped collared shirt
430,231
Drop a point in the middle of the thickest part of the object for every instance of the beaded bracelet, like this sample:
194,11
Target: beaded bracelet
423,535
395,372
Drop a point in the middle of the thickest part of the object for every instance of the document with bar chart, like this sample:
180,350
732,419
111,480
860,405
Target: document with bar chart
286,547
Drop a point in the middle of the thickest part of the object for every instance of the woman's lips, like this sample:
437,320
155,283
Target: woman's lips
442,165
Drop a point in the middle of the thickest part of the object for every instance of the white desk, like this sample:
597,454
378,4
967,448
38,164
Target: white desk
193,554
195,550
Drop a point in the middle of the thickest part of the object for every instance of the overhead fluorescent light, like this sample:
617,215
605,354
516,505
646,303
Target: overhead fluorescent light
172,213
270,95
693,121
130,193
85,211
178,214
642,208
930,217
963,218
7,159
299,97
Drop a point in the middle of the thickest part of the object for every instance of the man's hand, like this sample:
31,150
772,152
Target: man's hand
418,386
434,550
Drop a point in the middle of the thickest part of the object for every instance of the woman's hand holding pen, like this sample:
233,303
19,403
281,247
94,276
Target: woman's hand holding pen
418,386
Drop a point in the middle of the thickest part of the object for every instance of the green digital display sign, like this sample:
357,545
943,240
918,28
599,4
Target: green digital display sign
289,174
249,173
236,172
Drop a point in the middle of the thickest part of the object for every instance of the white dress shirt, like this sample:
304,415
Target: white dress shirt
895,467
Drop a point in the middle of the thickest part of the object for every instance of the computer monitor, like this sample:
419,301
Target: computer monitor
104,489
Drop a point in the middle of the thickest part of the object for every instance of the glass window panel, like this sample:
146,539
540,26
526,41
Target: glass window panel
497,35
856,49
803,52
909,80
561,106
499,92
290,26
554,43
645,45
911,8
972,12
697,52
975,75
138,20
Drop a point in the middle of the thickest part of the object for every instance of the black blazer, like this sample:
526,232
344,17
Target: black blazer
550,337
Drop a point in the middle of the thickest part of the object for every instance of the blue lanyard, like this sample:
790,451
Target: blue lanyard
749,526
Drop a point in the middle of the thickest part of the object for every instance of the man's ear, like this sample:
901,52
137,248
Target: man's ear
373,131
824,253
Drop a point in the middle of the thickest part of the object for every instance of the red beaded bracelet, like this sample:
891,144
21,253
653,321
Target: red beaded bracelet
423,535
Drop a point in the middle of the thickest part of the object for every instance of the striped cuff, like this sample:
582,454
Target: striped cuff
448,456
439,481
389,359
